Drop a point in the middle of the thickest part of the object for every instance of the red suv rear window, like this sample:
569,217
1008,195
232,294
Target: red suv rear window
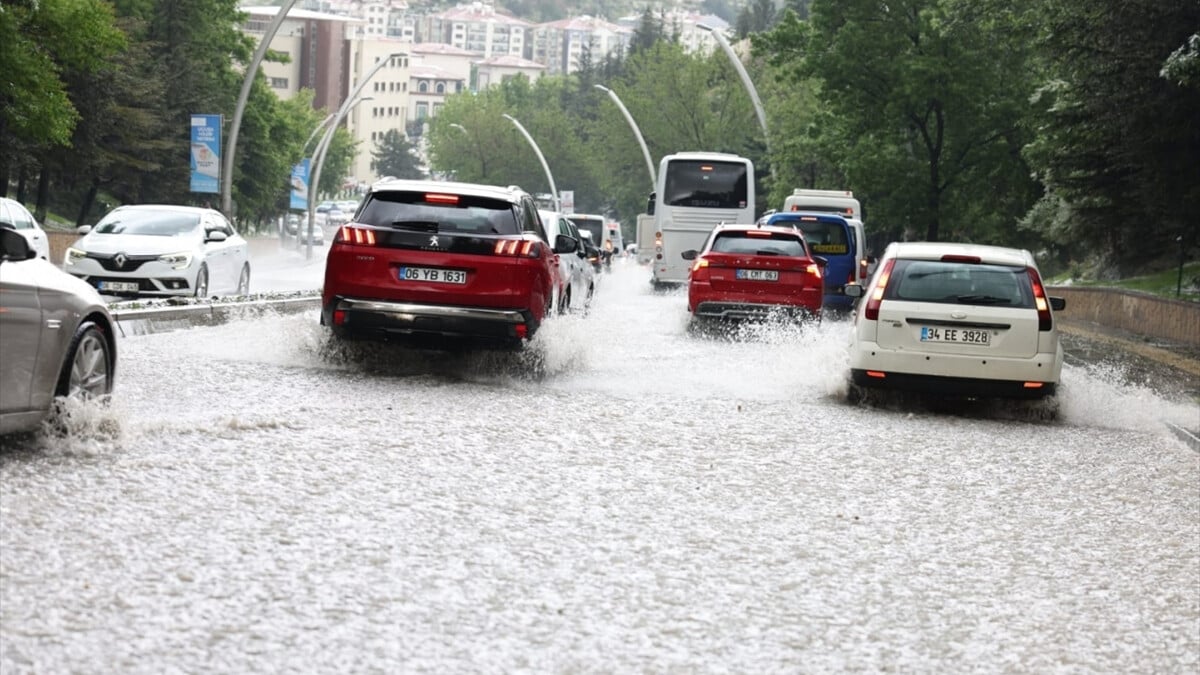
440,212
777,243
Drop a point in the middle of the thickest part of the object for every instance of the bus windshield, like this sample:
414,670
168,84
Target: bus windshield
705,184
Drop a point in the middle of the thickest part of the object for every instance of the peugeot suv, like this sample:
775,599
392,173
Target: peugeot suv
956,320
442,265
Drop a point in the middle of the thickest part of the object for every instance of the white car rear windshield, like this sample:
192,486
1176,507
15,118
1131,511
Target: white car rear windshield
436,212
960,283
148,222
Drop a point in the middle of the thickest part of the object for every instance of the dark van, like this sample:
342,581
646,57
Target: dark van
830,237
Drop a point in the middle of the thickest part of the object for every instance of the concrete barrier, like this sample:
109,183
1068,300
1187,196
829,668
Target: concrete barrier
1139,313
164,318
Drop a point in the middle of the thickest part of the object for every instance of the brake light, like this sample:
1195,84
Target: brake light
1045,321
876,297
758,233
438,198
700,262
862,268
519,248
357,235
970,259
811,219
813,269
705,167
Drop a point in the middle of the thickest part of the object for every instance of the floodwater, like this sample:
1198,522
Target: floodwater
624,496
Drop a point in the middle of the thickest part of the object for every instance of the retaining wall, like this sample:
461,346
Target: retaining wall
1138,313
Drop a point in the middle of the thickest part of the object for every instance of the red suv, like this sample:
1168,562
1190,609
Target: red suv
753,271
441,264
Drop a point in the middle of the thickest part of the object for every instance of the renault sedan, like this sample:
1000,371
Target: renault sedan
161,250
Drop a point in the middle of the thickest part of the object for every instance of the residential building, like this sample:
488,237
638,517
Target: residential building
496,69
560,44
478,28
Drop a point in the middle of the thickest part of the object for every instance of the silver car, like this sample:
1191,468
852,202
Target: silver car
58,337
159,249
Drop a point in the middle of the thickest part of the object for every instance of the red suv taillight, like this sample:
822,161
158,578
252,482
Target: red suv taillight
356,235
1045,321
518,248
876,296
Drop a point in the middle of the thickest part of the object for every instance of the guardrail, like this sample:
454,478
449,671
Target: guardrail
163,318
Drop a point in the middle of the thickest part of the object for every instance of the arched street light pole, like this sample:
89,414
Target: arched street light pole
236,125
741,70
545,167
319,154
315,131
636,132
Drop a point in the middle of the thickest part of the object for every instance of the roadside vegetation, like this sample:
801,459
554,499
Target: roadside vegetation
1065,127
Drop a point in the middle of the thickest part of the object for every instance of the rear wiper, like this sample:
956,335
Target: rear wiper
983,300
418,225
767,251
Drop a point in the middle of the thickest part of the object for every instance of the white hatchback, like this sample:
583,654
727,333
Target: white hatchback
955,320
159,249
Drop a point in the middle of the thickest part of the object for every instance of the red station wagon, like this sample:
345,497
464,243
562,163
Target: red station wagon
752,271
442,265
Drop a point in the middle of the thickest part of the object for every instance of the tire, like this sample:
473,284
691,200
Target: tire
243,287
564,302
202,282
87,371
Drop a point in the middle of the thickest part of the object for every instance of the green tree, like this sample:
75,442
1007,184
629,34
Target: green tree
395,156
932,96
1118,139
42,44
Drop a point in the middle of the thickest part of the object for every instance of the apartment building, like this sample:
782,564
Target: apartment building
560,44
477,28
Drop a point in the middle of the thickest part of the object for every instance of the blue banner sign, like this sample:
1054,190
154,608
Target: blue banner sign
206,153
300,185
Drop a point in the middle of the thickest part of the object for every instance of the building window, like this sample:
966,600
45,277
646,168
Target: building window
422,110
422,86
279,83
441,88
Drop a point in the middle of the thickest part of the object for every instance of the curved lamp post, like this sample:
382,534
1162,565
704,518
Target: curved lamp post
236,125
741,70
545,167
636,132
319,154
482,157
316,130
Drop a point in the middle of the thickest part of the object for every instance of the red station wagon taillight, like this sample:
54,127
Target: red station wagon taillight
876,296
1045,321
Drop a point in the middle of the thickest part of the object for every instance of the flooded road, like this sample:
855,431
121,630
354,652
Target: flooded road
623,497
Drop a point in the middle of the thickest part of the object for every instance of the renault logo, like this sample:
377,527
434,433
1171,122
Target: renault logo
119,259
433,241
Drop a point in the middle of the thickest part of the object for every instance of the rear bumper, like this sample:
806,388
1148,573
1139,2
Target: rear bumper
752,311
955,387
436,326
979,376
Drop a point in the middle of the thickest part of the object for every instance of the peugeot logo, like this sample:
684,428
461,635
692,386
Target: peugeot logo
433,241
119,259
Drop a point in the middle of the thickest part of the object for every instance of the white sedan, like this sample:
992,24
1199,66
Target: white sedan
157,250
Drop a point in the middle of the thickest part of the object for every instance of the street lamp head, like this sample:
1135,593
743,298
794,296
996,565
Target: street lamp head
601,87
704,26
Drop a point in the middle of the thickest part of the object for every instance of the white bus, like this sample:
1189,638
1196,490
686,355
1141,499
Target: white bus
841,203
696,191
